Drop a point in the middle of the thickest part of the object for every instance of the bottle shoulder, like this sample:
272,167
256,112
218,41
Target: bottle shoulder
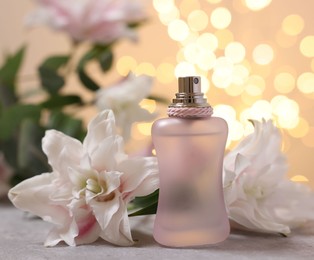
172,126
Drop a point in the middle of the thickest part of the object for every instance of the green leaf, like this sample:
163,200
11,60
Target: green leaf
145,201
31,159
88,56
49,74
13,116
50,80
55,62
87,81
148,204
11,66
105,59
159,99
8,73
103,55
57,101
66,124
149,210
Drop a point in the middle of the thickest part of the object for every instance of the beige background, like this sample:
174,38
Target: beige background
156,47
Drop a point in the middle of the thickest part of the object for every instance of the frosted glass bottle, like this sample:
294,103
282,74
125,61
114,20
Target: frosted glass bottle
190,147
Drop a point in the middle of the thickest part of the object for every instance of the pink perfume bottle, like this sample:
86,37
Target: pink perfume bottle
190,147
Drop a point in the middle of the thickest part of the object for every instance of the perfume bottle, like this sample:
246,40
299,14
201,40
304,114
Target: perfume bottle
190,148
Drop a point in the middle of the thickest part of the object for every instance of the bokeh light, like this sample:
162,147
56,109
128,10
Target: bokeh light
165,73
197,20
301,129
149,105
305,82
145,68
163,6
187,5
299,178
184,68
263,54
235,51
284,82
256,5
306,46
308,140
125,64
255,85
207,41
220,18
224,37
178,30
293,24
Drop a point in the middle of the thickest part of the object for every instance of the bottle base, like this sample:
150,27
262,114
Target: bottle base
191,238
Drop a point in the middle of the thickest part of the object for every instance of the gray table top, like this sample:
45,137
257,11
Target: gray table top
22,237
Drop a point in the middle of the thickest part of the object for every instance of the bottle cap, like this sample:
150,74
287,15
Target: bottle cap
189,94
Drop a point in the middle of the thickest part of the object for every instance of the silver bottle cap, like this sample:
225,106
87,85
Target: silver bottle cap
189,94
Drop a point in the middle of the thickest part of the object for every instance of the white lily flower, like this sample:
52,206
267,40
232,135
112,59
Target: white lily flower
87,193
258,194
123,99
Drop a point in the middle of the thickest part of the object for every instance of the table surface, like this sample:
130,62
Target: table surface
22,237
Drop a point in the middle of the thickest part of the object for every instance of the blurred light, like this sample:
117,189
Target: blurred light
136,134
180,55
284,40
206,60
154,152
149,105
249,99
205,84
126,64
234,90
165,73
184,68
168,17
305,82
226,112
236,131
306,46
191,38
284,82
239,74
192,52
287,112
312,64
301,129
187,5
293,24
163,6
178,30
263,54
308,140
235,51
256,5
299,178
255,85
145,68
222,76
198,20
214,1
207,41
145,128
224,37
261,109
220,18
